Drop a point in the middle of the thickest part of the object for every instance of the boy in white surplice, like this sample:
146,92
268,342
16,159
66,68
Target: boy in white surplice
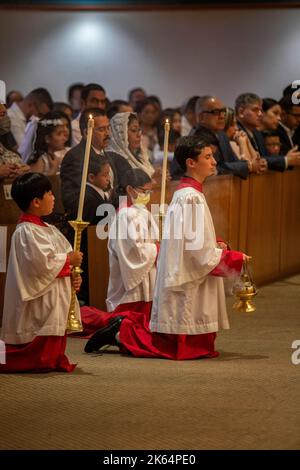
188,300
132,244
38,285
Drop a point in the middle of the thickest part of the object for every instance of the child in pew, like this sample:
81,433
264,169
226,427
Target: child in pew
98,192
38,284
272,142
132,250
50,146
158,151
188,299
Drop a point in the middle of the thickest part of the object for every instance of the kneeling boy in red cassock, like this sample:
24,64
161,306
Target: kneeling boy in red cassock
38,284
189,300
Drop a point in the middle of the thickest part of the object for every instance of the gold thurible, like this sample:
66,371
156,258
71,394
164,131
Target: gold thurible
244,290
73,324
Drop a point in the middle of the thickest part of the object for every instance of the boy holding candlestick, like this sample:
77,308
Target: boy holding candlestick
38,284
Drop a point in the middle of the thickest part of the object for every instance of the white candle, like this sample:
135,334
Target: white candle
85,166
164,167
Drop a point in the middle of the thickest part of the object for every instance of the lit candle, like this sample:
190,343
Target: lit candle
85,166
164,167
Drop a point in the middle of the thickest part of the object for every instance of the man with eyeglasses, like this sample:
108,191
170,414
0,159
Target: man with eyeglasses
210,112
248,108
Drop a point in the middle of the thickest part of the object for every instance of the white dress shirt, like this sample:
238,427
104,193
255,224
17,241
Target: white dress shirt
76,134
18,122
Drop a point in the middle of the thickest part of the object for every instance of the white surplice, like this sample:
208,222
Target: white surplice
132,256
36,301
187,300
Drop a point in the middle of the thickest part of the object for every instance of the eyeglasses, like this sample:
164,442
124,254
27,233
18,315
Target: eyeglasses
145,191
215,112
96,102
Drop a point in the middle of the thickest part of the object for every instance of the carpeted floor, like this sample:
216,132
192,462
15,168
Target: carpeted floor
248,398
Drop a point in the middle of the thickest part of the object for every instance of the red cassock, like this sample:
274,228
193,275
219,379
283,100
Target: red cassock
45,353
135,335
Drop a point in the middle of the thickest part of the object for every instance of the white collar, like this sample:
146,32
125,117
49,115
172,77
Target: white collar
289,131
103,194
18,111
97,151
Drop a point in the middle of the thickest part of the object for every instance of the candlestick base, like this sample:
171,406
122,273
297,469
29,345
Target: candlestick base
74,324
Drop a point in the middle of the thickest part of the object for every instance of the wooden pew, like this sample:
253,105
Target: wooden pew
261,213
223,198
289,256
260,216
10,228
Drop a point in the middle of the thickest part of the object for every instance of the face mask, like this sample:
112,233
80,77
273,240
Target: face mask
4,125
142,199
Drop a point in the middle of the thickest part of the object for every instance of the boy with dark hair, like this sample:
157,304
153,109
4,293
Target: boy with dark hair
38,284
97,192
272,142
98,187
188,300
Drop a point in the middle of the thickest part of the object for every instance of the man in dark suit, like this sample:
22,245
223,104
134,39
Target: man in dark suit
248,108
72,164
289,128
210,113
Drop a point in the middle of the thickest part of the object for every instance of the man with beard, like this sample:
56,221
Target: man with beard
72,164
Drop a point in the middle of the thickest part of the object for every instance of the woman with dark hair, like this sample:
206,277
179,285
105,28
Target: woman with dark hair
270,122
148,115
125,141
50,144
64,108
271,116
239,141
174,117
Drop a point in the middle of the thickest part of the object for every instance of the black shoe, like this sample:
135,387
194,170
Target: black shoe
105,336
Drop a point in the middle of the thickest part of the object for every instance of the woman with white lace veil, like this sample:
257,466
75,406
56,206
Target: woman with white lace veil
125,141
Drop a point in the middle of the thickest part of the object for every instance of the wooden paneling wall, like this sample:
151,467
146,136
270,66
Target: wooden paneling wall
260,216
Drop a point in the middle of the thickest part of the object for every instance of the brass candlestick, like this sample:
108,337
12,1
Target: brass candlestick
245,290
73,323
161,218
78,225
164,178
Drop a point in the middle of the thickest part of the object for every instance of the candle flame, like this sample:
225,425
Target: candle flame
91,116
167,121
